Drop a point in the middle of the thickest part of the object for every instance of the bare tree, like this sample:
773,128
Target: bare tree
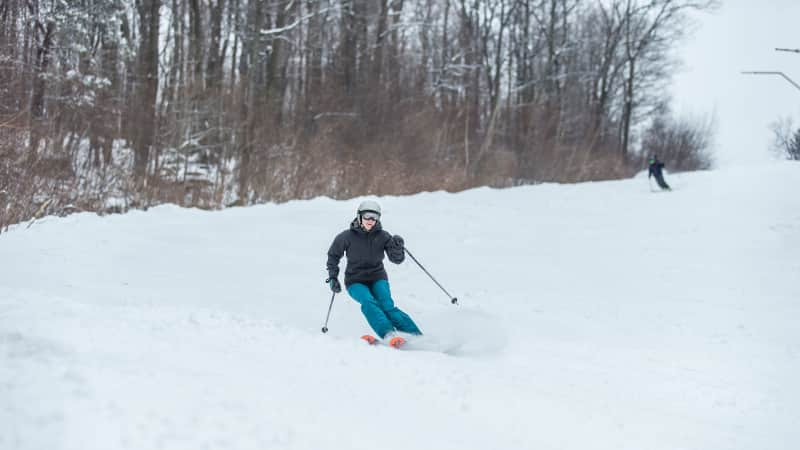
786,139
682,144
650,28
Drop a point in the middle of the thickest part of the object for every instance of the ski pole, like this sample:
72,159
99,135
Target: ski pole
325,327
453,300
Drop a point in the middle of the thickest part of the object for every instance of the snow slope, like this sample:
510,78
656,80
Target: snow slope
592,316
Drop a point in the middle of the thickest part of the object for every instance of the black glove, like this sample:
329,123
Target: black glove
398,242
333,283
395,249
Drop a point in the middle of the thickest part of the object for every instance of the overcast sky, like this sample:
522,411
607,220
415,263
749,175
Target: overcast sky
742,35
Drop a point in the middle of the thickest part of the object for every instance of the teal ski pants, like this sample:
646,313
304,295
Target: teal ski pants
379,309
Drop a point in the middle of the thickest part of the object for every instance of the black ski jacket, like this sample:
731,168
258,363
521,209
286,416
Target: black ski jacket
364,252
655,169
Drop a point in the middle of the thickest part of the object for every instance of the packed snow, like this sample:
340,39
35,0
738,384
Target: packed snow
592,316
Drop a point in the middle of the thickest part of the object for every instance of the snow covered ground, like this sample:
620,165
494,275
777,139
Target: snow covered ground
592,316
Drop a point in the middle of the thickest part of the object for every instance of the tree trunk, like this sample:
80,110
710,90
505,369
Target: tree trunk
214,60
627,110
249,96
276,73
147,87
39,85
196,40
313,64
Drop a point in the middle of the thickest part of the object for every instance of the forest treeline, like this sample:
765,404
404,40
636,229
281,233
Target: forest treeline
111,104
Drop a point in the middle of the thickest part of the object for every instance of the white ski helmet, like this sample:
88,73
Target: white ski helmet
369,206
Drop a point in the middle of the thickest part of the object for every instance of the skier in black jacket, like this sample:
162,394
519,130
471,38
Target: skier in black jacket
365,278
656,167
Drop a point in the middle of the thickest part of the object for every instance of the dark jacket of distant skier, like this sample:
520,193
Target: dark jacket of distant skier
365,251
656,170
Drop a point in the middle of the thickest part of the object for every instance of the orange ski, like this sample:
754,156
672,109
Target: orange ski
397,342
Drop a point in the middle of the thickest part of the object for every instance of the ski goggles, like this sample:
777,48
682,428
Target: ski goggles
370,216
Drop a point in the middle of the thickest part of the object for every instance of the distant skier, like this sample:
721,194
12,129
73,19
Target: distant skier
365,243
656,169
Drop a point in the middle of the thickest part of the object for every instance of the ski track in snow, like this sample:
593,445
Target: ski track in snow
593,316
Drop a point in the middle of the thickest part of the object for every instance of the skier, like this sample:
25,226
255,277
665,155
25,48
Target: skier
656,167
365,243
